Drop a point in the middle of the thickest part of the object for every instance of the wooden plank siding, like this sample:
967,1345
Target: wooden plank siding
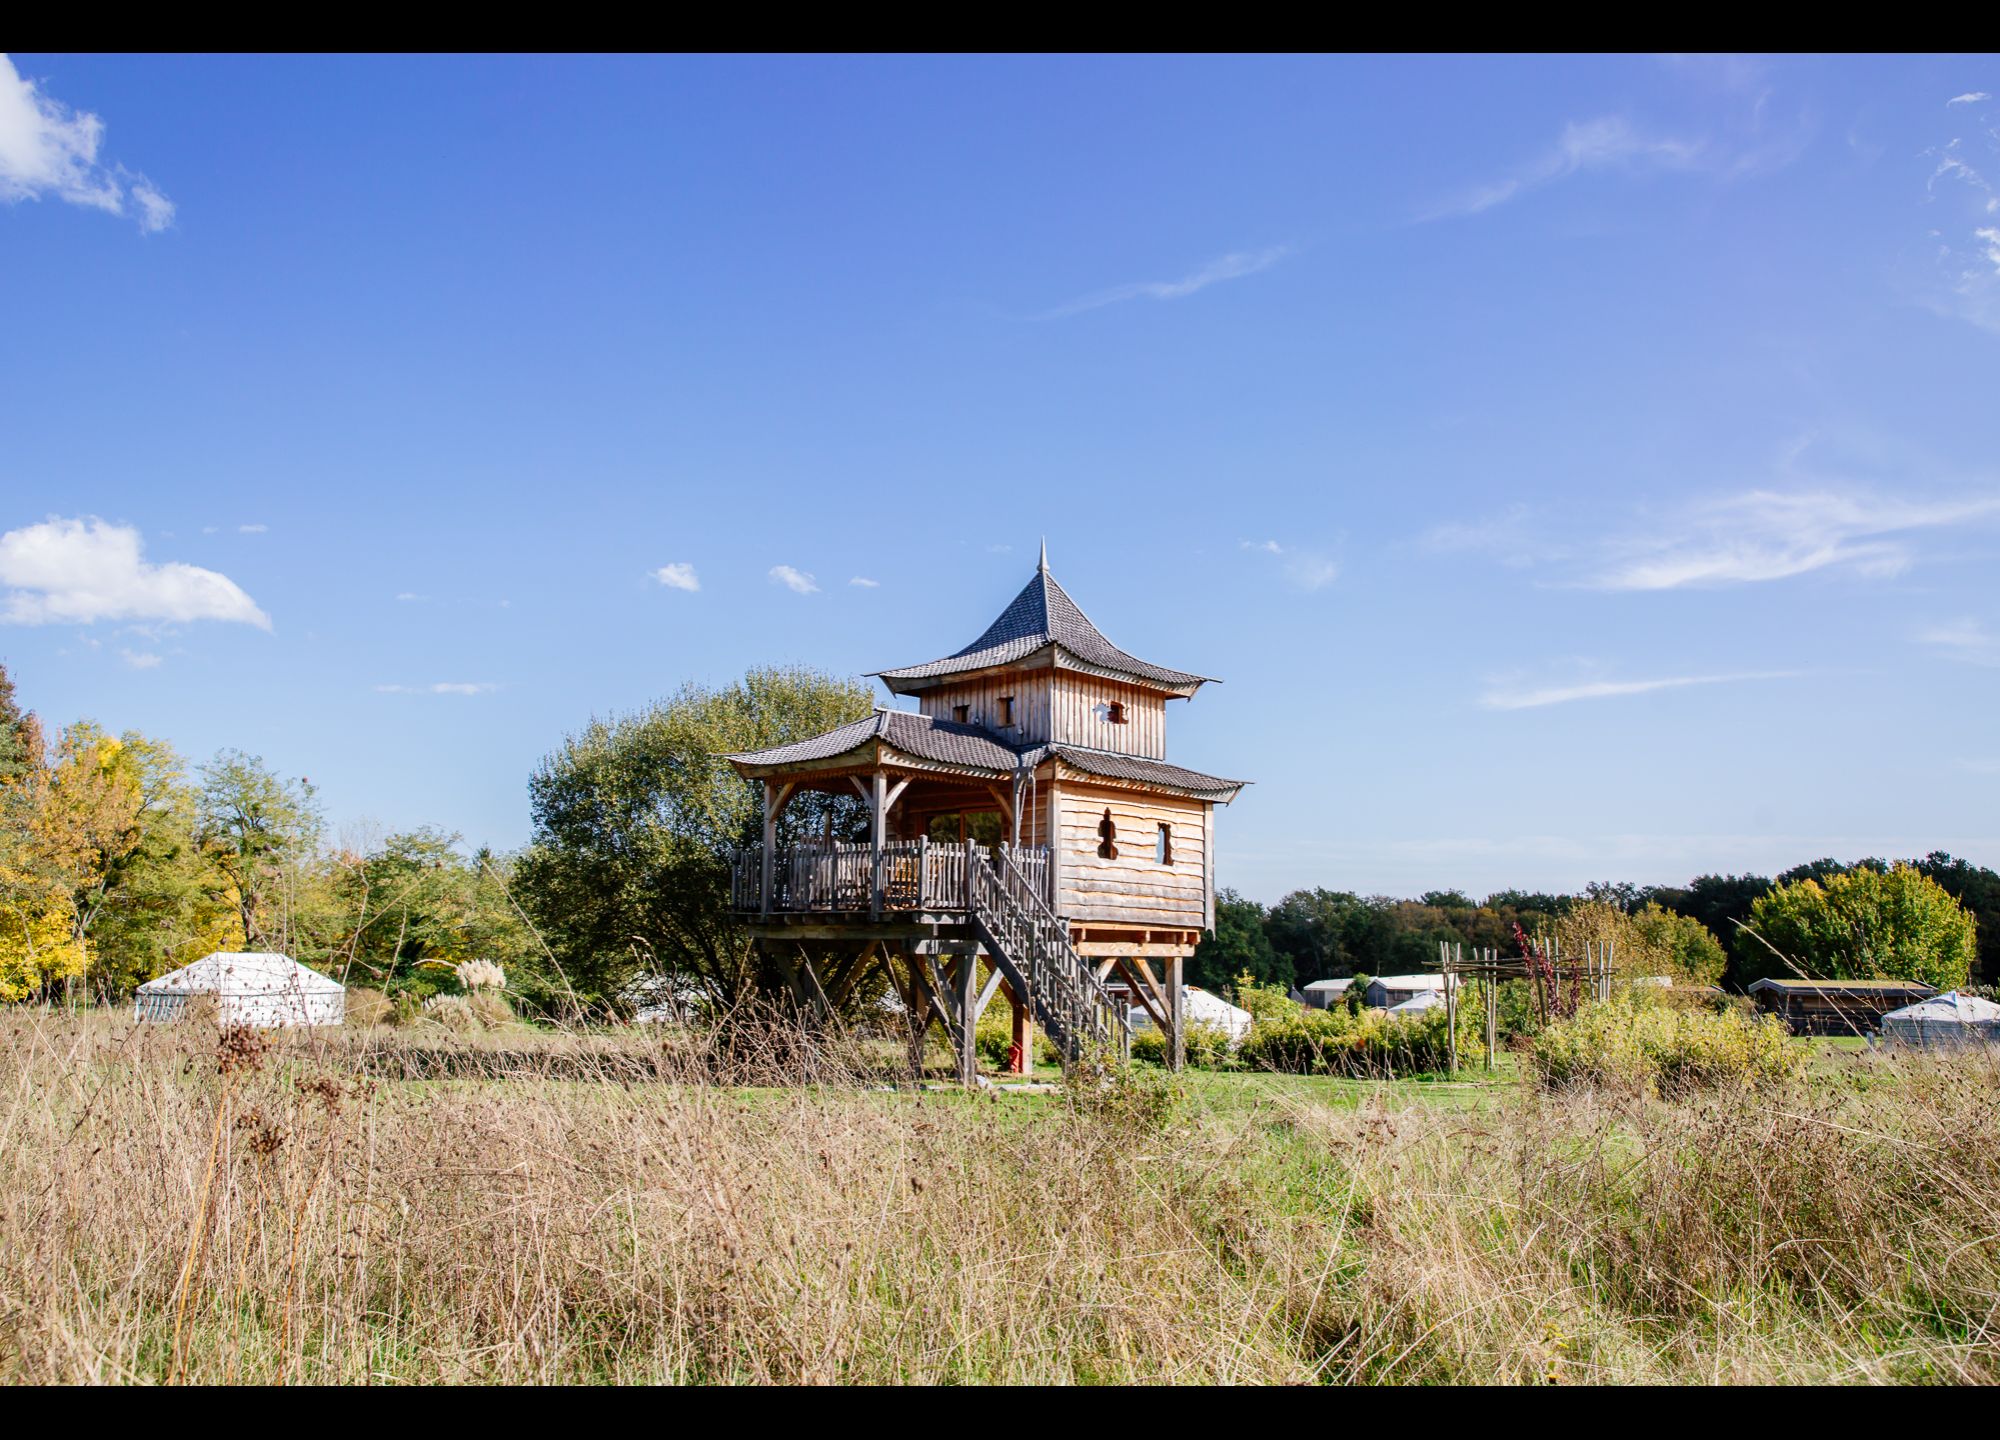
981,699
1081,707
1135,889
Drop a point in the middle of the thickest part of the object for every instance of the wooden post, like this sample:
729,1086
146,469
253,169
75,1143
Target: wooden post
1177,1009
1451,1007
770,843
924,872
877,808
1024,1032
1492,1002
968,1019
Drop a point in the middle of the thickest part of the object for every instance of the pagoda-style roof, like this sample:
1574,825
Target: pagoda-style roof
905,738
1042,627
887,735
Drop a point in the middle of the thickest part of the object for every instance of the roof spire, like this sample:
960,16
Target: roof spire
1044,566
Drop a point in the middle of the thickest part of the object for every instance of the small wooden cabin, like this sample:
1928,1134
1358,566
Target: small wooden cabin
1041,733
1836,1007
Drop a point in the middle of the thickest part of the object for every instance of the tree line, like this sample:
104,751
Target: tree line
1933,919
119,861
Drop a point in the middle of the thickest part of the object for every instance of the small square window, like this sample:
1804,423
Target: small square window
1115,712
961,713
1006,711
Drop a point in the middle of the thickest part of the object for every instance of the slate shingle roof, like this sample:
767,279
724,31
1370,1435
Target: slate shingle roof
1108,766
1040,616
947,743
915,735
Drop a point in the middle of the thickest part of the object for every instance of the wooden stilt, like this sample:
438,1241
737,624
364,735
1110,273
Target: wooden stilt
1024,1033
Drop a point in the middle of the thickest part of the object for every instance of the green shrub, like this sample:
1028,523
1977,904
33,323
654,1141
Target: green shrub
993,1037
1663,1049
1206,1047
1337,1042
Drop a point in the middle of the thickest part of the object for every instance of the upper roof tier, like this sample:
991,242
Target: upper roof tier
1042,627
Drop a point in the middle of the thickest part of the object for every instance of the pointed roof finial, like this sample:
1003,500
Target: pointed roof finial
1044,566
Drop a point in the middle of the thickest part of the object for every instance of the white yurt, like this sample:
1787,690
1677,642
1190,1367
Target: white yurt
1202,1007
1417,1004
255,988
1947,1019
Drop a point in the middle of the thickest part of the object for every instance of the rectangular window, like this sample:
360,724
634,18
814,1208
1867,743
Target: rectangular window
1115,712
1006,711
1163,846
961,713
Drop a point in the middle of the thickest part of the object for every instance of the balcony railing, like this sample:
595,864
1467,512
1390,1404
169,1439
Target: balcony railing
842,878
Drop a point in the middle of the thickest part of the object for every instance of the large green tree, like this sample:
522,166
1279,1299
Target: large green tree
634,818
1860,924
1978,889
1237,946
258,830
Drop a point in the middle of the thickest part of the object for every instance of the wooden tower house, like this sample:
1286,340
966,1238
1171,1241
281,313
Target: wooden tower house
1023,820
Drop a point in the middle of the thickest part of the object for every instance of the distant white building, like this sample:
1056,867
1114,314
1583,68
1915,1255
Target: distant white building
1324,994
1385,992
250,988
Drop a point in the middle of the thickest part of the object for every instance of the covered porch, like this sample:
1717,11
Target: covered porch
937,799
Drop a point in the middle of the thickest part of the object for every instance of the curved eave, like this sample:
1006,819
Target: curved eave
869,755
915,679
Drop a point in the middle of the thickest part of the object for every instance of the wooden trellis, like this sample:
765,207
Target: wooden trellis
1556,981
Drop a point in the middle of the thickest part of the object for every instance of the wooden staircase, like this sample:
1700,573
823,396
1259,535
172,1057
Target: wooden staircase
1031,947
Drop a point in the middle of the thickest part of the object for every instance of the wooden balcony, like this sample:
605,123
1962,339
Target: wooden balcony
905,878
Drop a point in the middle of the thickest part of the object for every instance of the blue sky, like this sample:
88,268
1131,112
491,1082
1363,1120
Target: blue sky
1576,469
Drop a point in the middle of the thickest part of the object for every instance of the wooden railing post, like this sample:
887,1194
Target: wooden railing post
877,806
770,848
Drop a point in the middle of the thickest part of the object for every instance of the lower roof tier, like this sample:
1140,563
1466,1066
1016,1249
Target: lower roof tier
921,742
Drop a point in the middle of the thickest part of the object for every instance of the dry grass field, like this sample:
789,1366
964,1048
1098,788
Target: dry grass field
411,1208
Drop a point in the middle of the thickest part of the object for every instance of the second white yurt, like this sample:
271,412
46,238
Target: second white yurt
1417,1004
253,988
1202,1007
1947,1019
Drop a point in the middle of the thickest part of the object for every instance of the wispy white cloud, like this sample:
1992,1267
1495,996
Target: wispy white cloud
1602,143
1957,272
797,581
49,149
1233,266
1302,569
1971,97
1965,639
1508,696
678,576
140,659
1504,537
1771,535
409,597
441,687
85,570
863,582
1742,132
252,529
